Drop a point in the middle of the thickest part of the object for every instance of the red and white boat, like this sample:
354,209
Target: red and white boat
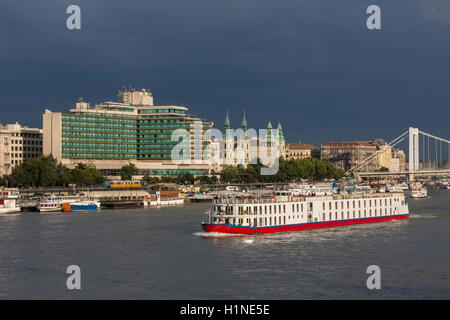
282,212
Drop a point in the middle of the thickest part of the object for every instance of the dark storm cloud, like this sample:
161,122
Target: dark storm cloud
311,64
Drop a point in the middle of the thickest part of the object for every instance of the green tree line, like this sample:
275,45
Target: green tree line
289,170
45,171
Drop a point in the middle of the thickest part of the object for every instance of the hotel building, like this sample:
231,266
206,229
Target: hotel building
113,134
18,144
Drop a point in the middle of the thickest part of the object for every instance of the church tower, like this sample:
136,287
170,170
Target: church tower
228,143
281,142
245,144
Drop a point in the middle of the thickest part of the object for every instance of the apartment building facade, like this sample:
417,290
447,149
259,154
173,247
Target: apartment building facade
17,144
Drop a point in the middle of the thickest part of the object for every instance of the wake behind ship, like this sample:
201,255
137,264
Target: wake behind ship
284,211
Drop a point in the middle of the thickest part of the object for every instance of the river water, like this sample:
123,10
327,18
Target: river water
161,253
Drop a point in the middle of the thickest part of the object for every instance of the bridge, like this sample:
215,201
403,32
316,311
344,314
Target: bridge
430,158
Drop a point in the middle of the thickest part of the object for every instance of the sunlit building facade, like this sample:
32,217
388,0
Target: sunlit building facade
113,134
18,144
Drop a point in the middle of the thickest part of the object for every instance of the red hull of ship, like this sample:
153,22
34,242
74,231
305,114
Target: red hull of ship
225,228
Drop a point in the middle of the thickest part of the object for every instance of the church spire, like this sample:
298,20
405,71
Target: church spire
280,132
244,126
227,125
269,131
227,121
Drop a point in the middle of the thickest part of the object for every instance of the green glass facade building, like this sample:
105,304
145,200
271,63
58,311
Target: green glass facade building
113,134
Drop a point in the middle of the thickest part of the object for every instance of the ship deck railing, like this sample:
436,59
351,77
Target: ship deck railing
284,199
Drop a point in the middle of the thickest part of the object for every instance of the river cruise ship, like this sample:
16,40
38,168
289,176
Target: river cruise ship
281,212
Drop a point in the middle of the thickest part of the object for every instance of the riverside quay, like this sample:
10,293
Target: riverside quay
113,134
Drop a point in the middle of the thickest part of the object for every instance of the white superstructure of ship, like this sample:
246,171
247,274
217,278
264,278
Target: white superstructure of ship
8,201
284,211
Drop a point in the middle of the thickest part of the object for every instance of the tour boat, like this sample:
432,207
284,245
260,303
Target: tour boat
8,206
445,185
419,193
404,186
54,203
156,200
82,205
283,212
8,201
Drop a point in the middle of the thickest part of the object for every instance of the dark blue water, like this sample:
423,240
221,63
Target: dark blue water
162,254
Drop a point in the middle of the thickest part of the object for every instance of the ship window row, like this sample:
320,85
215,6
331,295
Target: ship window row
360,214
262,210
359,203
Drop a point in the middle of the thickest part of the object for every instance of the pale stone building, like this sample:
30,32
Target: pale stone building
347,155
18,144
301,151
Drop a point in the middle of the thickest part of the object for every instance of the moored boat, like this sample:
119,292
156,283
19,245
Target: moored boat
54,203
9,206
8,200
164,199
419,193
82,205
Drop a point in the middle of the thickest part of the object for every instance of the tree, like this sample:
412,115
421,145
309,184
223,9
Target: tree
147,179
128,171
4,181
46,172
229,173
185,178
289,170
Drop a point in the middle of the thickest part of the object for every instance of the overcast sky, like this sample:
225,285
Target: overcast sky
312,64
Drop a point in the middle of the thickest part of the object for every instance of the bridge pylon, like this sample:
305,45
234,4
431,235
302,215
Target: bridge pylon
413,152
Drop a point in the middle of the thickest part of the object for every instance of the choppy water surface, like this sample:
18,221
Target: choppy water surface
161,253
